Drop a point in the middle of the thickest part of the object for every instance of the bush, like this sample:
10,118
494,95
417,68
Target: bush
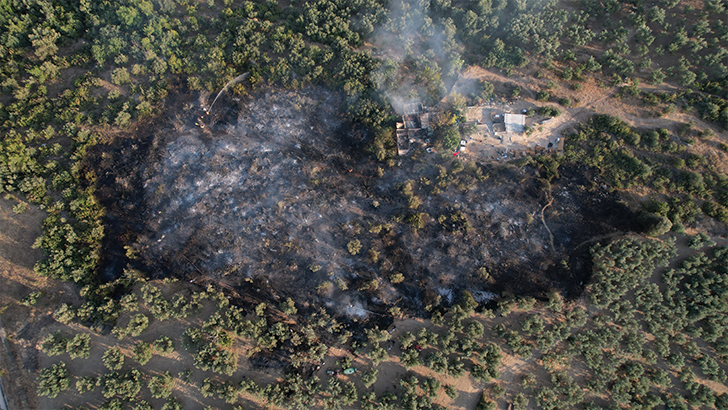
172,404
137,324
142,352
467,302
164,345
65,314
410,358
485,403
85,384
700,240
655,225
556,302
161,386
54,344
113,358
354,247
377,355
369,377
53,380
396,278
520,402
79,346
288,307
31,299
142,405
120,76
113,404
126,386
548,111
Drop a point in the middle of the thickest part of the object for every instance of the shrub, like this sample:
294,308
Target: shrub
126,385
520,402
137,324
142,352
113,404
436,362
548,111
85,384
556,302
120,76
31,299
354,247
129,303
79,346
164,345
410,358
376,335
655,225
113,358
396,278
700,240
53,380
485,403
369,377
64,314
288,307
142,405
161,386
54,344
467,302
406,339
377,355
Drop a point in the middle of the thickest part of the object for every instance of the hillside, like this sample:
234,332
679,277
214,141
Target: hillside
363,204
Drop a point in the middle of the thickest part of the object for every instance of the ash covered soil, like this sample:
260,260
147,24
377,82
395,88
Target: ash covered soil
269,194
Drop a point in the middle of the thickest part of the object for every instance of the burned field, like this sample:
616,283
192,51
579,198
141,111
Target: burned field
274,195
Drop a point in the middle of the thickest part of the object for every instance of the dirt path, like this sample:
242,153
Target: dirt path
543,220
592,99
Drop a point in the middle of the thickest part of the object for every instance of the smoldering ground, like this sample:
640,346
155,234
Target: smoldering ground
275,195
253,193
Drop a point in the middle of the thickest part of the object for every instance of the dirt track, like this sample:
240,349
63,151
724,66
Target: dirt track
593,99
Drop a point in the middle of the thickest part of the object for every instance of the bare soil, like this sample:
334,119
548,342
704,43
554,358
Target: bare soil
592,98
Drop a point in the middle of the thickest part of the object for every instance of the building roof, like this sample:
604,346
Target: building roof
515,122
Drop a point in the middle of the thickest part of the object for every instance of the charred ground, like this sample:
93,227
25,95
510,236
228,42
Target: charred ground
274,195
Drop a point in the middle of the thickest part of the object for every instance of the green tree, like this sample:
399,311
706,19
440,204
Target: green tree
164,345
161,386
65,314
79,346
354,246
54,344
369,377
85,384
44,40
53,380
125,385
142,352
113,358
137,324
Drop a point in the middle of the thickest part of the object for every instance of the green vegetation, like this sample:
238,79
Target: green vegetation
73,74
607,340
53,380
161,386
